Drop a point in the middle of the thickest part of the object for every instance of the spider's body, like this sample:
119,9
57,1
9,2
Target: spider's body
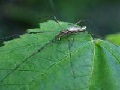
71,30
76,29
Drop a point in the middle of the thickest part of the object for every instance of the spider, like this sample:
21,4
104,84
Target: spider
71,30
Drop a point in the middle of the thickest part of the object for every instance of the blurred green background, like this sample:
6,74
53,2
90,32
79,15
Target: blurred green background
101,16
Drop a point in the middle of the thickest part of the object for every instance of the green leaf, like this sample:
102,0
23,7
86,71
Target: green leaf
114,38
45,61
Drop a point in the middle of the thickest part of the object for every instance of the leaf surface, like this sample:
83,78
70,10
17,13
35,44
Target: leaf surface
114,38
74,61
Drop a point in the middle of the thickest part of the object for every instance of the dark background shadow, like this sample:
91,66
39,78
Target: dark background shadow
102,16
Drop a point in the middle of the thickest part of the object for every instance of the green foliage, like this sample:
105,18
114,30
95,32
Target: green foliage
114,38
42,61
